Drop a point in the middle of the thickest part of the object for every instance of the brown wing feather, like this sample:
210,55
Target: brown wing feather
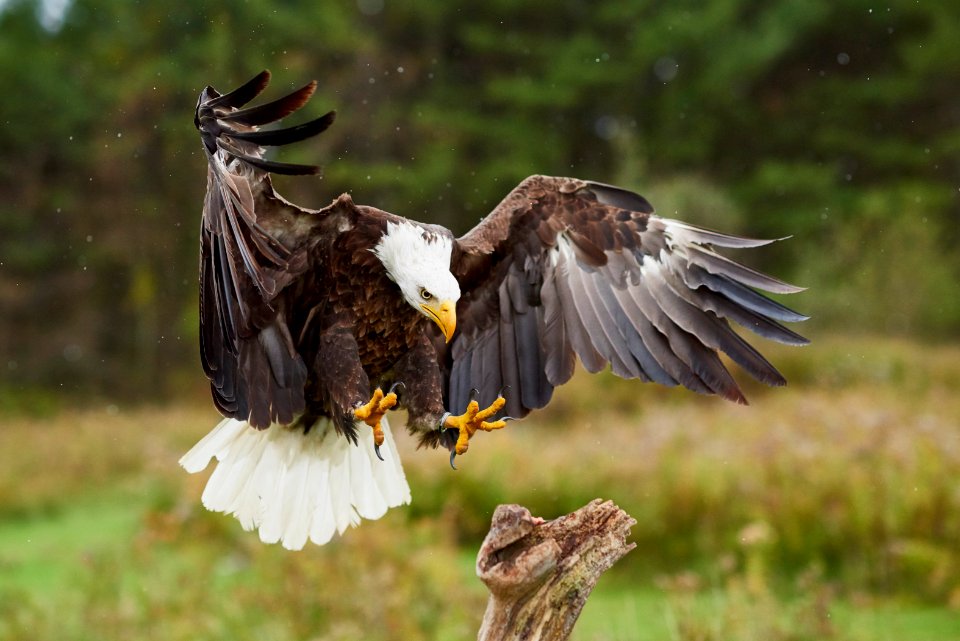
566,268
247,352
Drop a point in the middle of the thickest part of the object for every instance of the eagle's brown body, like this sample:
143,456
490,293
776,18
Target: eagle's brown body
351,287
348,322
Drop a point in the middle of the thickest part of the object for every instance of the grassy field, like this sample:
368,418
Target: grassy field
826,510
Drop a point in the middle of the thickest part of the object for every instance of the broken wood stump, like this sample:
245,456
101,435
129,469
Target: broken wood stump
540,573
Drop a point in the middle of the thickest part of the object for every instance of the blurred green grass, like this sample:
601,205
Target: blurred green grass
826,510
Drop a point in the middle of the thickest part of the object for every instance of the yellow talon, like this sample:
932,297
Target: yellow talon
371,412
475,419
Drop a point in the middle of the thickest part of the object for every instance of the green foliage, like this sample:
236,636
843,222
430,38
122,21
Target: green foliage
906,257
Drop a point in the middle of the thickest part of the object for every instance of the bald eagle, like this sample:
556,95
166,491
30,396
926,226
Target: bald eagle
315,322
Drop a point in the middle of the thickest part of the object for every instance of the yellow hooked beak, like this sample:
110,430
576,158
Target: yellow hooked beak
444,315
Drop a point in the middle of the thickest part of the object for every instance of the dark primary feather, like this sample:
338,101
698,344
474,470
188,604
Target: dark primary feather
271,111
289,134
609,283
274,167
241,95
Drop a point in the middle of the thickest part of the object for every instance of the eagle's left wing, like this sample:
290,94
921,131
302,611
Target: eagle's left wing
255,372
565,268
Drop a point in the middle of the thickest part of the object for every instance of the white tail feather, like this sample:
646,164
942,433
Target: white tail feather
294,486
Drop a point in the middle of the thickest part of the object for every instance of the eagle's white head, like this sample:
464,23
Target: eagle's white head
418,261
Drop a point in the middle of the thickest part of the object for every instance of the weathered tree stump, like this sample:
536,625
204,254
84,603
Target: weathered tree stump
540,573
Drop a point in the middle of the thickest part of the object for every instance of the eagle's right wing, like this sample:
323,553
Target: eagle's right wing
565,269
248,354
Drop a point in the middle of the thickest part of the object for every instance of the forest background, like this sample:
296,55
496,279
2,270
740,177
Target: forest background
836,123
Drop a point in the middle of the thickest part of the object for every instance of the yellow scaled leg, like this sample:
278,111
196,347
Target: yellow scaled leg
371,413
475,419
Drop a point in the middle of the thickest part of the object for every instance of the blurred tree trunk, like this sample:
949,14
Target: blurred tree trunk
540,573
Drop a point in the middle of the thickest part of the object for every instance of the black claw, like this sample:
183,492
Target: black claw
474,393
453,455
502,390
376,449
508,418
396,385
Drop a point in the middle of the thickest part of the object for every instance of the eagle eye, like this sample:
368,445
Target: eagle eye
425,295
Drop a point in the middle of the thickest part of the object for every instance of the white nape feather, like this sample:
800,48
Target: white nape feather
416,258
293,486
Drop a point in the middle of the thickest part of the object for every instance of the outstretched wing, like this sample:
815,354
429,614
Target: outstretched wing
566,268
254,370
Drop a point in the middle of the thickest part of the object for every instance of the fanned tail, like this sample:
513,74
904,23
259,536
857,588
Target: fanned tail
293,486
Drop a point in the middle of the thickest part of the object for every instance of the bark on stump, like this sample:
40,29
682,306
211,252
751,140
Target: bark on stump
540,573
